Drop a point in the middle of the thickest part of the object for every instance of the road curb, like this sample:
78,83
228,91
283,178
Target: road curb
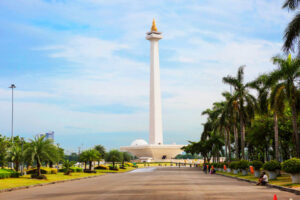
297,192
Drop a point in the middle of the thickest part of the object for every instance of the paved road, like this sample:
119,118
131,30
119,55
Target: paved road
160,183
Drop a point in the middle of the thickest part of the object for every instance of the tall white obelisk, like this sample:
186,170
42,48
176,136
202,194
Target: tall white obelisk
155,134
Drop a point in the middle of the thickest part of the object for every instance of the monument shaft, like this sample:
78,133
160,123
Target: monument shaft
155,125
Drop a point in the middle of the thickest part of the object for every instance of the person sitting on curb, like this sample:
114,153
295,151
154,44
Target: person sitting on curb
263,179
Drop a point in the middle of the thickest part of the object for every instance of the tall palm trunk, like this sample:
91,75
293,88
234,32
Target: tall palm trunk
229,145
90,165
226,143
295,129
276,136
38,166
242,124
236,141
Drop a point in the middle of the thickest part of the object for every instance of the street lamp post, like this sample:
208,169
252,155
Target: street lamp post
12,86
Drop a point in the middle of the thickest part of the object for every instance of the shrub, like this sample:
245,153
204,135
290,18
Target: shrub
44,170
291,166
35,176
77,169
234,165
122,167
102,167
53,170
272,165
257,164
128,164
72,169
243,164
8,173
89,171
113,168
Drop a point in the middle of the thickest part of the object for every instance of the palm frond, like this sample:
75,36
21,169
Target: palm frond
291,4
291,35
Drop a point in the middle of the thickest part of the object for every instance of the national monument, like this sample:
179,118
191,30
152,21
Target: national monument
156,149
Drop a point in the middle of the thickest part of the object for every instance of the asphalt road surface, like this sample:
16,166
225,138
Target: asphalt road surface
152,183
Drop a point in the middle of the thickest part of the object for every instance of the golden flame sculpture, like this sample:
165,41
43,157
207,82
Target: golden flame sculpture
153,28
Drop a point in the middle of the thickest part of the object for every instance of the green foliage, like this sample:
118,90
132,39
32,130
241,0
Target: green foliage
102,167
243,164
272,165
101,150
291,166
234,165
188,156
115,168
44,170
257,164
114,156
8,173
67,166
89,156
4,145
40,150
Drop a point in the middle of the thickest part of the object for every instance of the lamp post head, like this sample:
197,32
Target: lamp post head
12,86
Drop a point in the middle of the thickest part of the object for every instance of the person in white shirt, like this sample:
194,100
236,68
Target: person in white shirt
263,179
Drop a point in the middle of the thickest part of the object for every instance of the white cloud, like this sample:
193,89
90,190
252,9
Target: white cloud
106,63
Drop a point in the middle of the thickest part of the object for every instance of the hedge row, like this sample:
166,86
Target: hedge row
8,173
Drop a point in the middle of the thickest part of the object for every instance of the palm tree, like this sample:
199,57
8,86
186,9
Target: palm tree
16,155
292,31
242,100
114,156
101,150
277,105
126,158
90,156
286,75
67,166
40,150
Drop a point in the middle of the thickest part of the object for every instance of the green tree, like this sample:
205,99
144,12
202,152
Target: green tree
4,145
244,101
114,156
292,31
16,155
89,156
286,75
67,166
101,150
126,157
40,150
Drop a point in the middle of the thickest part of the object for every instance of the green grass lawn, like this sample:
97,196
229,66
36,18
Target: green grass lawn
26,180
283,180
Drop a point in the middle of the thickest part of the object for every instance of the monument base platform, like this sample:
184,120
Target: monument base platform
156,152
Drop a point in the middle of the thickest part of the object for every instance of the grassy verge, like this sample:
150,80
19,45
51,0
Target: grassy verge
114,171
283,180
26,180
141,165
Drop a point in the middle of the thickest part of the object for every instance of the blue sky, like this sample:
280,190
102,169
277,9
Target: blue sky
82,67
